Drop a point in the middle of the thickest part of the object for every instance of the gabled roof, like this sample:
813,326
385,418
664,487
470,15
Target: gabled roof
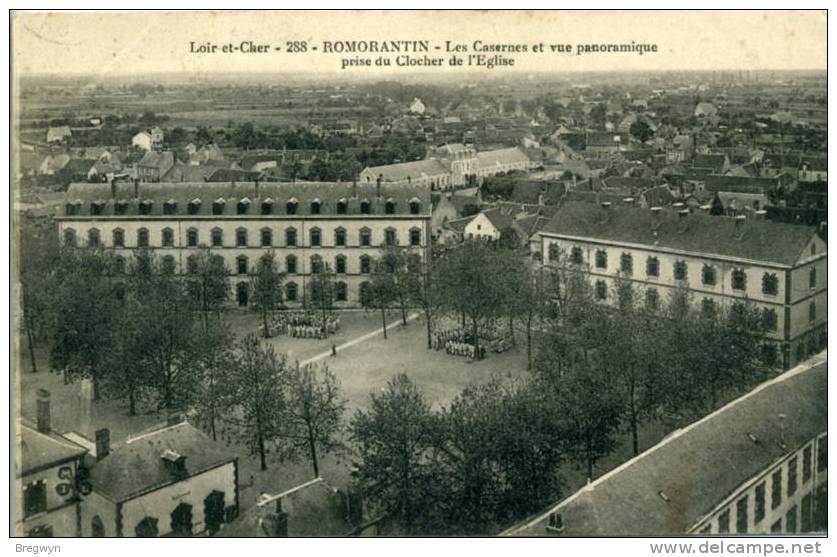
137,465
498,219
490,159
698,467
157,160
416,169
741,184
755,240
39,450
713,161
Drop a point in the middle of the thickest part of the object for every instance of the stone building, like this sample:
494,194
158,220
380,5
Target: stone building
342,225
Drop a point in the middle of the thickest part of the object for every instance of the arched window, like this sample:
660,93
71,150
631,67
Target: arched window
390,238
94,239
72,208
147,528
290,237
142,238
192,237
389,207
812,278
316,264
118,238
97,527
267,237
170,207
290,291
168,265
218,206
267,206
315,207
340,237
365,264
365,293
342,207
365,237
365,207
290,207
217,237
145,207
70,237
315,237
415,206
340,291
340,264
241,237
194,207
168,237
243,206
192,264
119,265
290,264
415,237
241,264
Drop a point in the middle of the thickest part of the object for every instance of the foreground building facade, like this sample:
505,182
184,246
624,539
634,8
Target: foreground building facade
341,225
758,465
780,268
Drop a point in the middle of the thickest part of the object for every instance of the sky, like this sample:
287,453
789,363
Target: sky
109,43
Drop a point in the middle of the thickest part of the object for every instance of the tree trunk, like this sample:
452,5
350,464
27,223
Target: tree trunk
429,330
94,375
31,349
313,448
476,340
511,329
403,313
589,458
264,322
132,402
529,342
463,319
262,458
384,321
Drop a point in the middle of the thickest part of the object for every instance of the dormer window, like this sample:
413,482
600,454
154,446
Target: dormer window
342,207
96,207
145,207
243,206
194,206
315,207
389,208
267,206
170,207
415,206
174,462
120,207
218,206
365,207
290,208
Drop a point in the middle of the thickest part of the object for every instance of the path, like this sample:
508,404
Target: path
357,340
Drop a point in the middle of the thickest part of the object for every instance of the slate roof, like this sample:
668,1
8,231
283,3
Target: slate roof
39,450
329,193
699,466
490,159
739,184
758,240
157,160
416,169
137,466
498,219
715,162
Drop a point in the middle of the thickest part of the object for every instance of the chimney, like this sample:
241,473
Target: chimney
113,188
378,184
354,188
102,443
136,188
43,411
257,187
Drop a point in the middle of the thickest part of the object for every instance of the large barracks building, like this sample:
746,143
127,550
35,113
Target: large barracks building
342,225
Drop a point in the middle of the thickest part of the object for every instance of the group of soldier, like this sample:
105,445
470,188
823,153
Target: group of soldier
459,342
307,324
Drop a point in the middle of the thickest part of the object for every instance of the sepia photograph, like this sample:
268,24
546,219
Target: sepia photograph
425,274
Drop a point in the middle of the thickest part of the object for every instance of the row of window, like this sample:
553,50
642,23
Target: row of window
169,264
709,307
167,237
709,276
146,207
777,492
